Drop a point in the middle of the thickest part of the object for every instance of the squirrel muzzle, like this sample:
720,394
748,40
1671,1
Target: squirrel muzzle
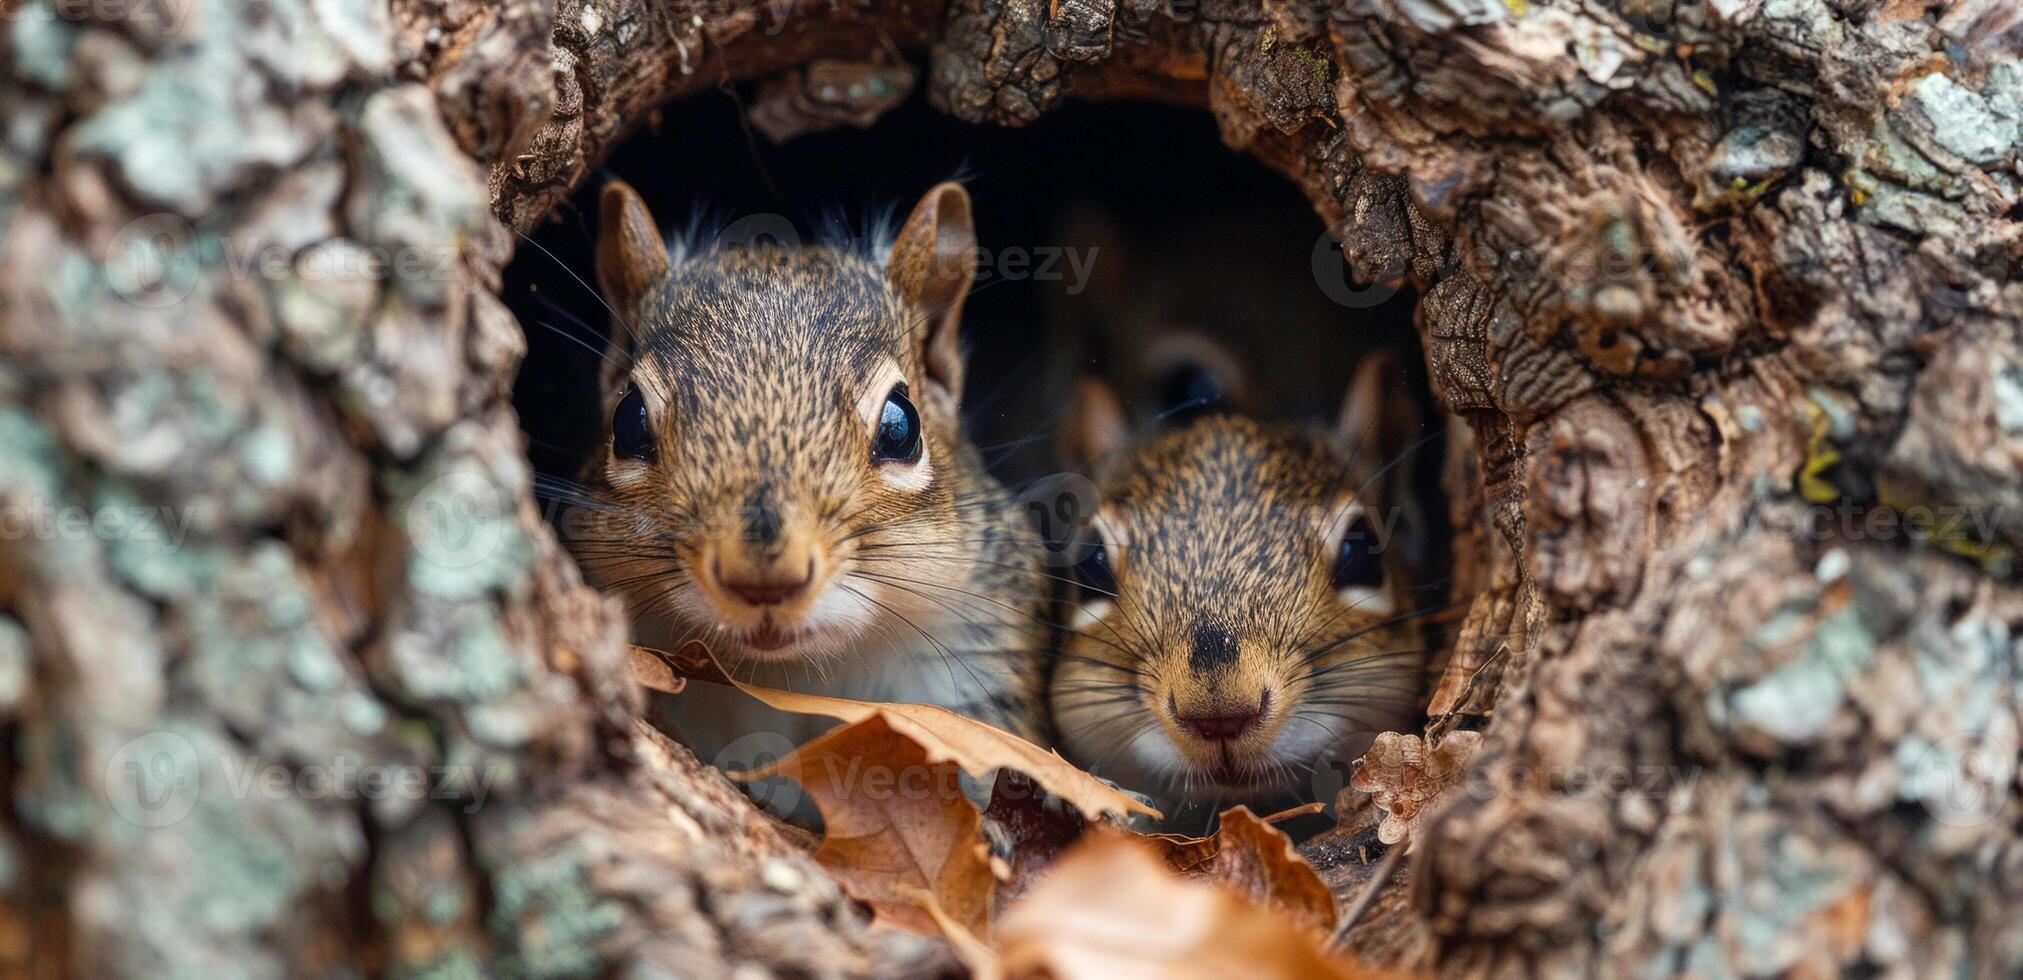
766,566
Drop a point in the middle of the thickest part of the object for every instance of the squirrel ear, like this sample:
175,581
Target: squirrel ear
1095,428
1378,419
1380,424
631,258
1195,373
932,267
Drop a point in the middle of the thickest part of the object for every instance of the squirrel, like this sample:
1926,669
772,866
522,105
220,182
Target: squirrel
1242,617
784,476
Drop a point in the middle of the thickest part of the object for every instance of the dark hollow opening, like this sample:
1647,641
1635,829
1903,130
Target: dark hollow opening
1172,229
1172,226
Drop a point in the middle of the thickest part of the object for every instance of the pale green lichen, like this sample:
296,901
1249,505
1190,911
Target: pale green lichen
362,714
27,455
547,909
242,877
185,132
1797,700
465,536
1964,122
320,309
268,455
41,44
13,666
1795,878
151,545
462,656
425,193
2008,393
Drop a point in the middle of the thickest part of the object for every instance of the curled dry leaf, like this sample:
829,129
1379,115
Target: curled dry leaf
669,672
1407,779
1183,854
899,833
1110,909
1254,858
946,736
1258,860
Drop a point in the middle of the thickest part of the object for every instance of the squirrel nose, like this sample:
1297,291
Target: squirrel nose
1221,726
1219,720
770,590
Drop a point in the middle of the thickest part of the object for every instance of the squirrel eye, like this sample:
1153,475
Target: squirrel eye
1356,562
1094,574
897,438
631,429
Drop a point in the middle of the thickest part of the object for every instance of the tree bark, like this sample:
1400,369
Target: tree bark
1711,288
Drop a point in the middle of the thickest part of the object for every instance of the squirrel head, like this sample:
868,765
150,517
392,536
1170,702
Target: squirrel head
779,419
1243,597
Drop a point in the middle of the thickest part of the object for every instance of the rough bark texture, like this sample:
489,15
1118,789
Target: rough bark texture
1693,272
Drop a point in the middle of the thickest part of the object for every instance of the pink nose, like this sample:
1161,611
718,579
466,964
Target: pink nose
1220,727
767,593
765,586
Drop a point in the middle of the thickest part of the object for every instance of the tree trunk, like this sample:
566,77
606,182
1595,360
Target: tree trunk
1723,291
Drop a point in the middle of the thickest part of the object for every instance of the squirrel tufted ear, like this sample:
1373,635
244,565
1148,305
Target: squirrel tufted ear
932,267
1096,428
1195,374
631,259
1379,418
1381,426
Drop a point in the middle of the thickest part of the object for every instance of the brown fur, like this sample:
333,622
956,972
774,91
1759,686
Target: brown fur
756,364
1218,537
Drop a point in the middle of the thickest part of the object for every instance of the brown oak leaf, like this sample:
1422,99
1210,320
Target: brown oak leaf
898,832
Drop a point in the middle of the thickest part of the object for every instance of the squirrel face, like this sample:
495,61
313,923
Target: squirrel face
781,420
1242,610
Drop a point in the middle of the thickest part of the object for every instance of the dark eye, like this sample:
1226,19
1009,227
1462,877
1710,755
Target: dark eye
1356,561
631,429
897,438
1094,574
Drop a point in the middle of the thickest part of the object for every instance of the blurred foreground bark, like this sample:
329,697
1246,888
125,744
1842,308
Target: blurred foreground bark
1720,294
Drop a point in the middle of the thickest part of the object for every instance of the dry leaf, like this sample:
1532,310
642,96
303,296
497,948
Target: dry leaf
977,955
1407,779
661,670
948,737
1183,854
653,673
1258,860
898,829
1110,910
1036,832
